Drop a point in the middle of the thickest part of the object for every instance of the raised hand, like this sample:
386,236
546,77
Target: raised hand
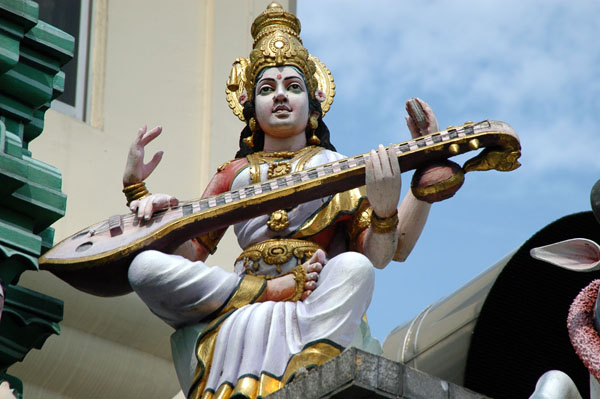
136,170
430,125
382,177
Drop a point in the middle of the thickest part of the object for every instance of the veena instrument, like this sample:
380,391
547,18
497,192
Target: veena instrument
99,256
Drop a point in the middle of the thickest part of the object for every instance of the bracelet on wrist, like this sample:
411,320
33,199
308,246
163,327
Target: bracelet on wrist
135,192
384,225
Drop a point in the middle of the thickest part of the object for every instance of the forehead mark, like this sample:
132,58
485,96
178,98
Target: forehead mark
279,76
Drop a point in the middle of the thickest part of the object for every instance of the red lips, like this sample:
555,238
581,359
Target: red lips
282,107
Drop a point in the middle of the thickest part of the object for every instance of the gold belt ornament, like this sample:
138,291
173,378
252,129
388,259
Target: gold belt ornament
277,252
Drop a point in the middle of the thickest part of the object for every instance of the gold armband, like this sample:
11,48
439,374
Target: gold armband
300,279
385,225
135,192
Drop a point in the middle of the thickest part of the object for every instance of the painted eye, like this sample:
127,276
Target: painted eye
265,90
295,86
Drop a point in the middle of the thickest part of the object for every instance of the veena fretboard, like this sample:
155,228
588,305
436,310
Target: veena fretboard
102,252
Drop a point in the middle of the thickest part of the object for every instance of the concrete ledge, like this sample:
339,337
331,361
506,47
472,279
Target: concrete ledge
356,374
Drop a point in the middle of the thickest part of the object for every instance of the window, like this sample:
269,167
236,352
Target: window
73,17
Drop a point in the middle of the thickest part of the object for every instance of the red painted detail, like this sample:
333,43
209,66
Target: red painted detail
221,181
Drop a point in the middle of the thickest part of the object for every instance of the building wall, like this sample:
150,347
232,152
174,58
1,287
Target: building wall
153,62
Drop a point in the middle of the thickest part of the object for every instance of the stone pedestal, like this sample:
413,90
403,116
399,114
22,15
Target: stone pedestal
356,374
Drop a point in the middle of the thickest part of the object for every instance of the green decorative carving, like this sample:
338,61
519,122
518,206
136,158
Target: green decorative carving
31,55
27,320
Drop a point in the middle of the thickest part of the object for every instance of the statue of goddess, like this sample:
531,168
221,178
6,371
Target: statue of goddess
305,276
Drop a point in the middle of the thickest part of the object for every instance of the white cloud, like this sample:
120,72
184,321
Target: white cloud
533,64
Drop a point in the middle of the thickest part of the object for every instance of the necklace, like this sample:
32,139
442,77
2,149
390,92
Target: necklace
266,156
280,164
281,168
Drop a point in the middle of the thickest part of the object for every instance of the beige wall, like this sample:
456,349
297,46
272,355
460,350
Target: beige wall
154,62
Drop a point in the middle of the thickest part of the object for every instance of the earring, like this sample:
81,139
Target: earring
313,121
249,141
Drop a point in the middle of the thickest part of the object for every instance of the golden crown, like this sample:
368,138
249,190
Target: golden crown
277,42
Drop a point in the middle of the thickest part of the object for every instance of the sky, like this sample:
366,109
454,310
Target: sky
533,64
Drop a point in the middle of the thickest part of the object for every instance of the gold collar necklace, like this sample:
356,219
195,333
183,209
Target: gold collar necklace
283,154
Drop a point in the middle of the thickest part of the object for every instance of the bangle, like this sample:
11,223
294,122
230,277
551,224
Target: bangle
300,279
384,225
135,192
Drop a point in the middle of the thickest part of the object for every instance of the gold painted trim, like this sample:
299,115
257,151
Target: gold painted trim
267,385
208,395
247,386
277,251
304,158
222,167
250,290
224,391
278,169
344,202
254,168
278,220
453,181
314,355
204,352
384,225
269,156
361,220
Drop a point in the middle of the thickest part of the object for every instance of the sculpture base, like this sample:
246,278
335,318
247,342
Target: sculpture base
357,374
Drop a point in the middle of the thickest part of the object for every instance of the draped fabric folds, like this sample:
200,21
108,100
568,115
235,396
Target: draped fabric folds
251,347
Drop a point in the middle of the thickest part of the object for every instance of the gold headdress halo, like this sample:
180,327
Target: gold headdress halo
277,42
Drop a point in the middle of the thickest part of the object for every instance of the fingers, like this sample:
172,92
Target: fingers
145,207
432,124
140,133
431,119
133,205
369,170
384,159
376,162
395,165
151,135
173,201
150,166
383,181
414,130
381,164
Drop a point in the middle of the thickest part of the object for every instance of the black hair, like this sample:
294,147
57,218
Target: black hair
322,132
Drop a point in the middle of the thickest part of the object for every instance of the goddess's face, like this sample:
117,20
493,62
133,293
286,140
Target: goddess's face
281,102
